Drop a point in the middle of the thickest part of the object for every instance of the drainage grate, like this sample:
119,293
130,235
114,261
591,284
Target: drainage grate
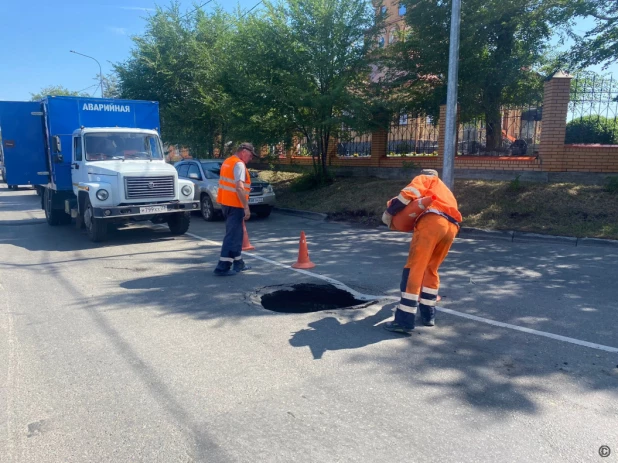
306,298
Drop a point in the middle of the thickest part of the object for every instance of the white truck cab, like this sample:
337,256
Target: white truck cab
120,174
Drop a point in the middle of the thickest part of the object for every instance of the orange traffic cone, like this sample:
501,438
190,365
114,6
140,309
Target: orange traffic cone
246,245
303,254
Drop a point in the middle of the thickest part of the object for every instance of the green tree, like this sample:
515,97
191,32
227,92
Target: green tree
110,86
600,44
54,90
303,67
503,44
178,62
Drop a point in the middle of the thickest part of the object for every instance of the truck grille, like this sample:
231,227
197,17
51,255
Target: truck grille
149,187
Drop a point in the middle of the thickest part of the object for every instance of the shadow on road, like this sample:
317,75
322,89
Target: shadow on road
329,334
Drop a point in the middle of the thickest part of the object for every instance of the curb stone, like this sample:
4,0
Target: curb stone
517,236
471,232
468,232
597,242
306,214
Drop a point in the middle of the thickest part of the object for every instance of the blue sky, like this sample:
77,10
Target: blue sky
36,36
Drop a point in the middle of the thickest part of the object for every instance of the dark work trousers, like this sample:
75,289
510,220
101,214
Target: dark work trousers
232,243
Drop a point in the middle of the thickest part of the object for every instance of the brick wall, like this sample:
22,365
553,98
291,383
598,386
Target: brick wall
553,154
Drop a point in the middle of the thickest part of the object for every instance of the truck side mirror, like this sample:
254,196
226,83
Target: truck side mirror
56,144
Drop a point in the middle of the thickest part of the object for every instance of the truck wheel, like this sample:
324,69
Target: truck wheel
96,228
54,216
179,223
208,210
263,212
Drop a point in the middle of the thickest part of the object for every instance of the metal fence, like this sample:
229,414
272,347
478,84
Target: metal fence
518,134
353,144
593,110
412,136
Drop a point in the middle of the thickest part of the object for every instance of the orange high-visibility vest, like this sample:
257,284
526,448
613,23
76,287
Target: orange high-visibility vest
405,221
227,194
428,185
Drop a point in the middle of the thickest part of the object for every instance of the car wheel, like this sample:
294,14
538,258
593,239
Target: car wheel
264,212
208,210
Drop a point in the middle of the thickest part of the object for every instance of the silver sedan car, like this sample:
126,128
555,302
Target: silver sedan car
205,175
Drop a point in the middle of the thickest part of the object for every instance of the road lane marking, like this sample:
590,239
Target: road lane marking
367,297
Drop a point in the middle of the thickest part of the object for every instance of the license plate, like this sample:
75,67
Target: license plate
256,200
152,209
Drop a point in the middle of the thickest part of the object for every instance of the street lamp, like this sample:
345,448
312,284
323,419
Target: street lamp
100,72
450,137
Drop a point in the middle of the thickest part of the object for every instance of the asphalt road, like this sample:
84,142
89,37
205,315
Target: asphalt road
132,351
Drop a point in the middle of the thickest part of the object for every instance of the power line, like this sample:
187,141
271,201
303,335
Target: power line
83,89
194,10
245,13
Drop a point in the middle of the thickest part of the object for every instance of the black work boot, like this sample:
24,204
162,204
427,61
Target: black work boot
240,266
224,270
428,315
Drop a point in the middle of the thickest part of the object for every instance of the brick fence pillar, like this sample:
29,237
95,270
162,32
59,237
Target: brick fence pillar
442,130
553,131
379,143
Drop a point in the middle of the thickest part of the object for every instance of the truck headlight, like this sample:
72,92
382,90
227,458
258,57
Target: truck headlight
187,190
268,190
102,195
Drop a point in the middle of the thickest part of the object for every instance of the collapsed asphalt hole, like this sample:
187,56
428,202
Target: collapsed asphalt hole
306,298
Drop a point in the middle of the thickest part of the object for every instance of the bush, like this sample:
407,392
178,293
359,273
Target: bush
310,181
612,185
592,129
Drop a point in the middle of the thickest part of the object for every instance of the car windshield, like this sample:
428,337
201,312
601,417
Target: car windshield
107,146
212,170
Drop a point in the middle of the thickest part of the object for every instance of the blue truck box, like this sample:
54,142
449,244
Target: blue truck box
24,160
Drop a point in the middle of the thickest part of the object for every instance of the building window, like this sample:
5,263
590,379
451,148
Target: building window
403,119
381,42
383,10
393,37
402,9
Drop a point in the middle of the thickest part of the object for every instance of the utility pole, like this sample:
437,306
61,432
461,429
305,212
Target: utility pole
100,72
450,137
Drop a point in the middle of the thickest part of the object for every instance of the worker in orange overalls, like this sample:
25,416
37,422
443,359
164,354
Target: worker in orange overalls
434,234
233,195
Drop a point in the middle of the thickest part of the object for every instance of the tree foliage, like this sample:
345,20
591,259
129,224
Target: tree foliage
600,44
179,61
304,67
503,45
54,90
297,67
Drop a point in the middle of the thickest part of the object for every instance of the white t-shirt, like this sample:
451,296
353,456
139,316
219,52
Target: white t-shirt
240,172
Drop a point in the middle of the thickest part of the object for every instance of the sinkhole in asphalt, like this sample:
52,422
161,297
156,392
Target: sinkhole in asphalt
306,298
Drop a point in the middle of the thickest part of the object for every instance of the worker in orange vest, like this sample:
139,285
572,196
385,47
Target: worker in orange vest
433,236
233,195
